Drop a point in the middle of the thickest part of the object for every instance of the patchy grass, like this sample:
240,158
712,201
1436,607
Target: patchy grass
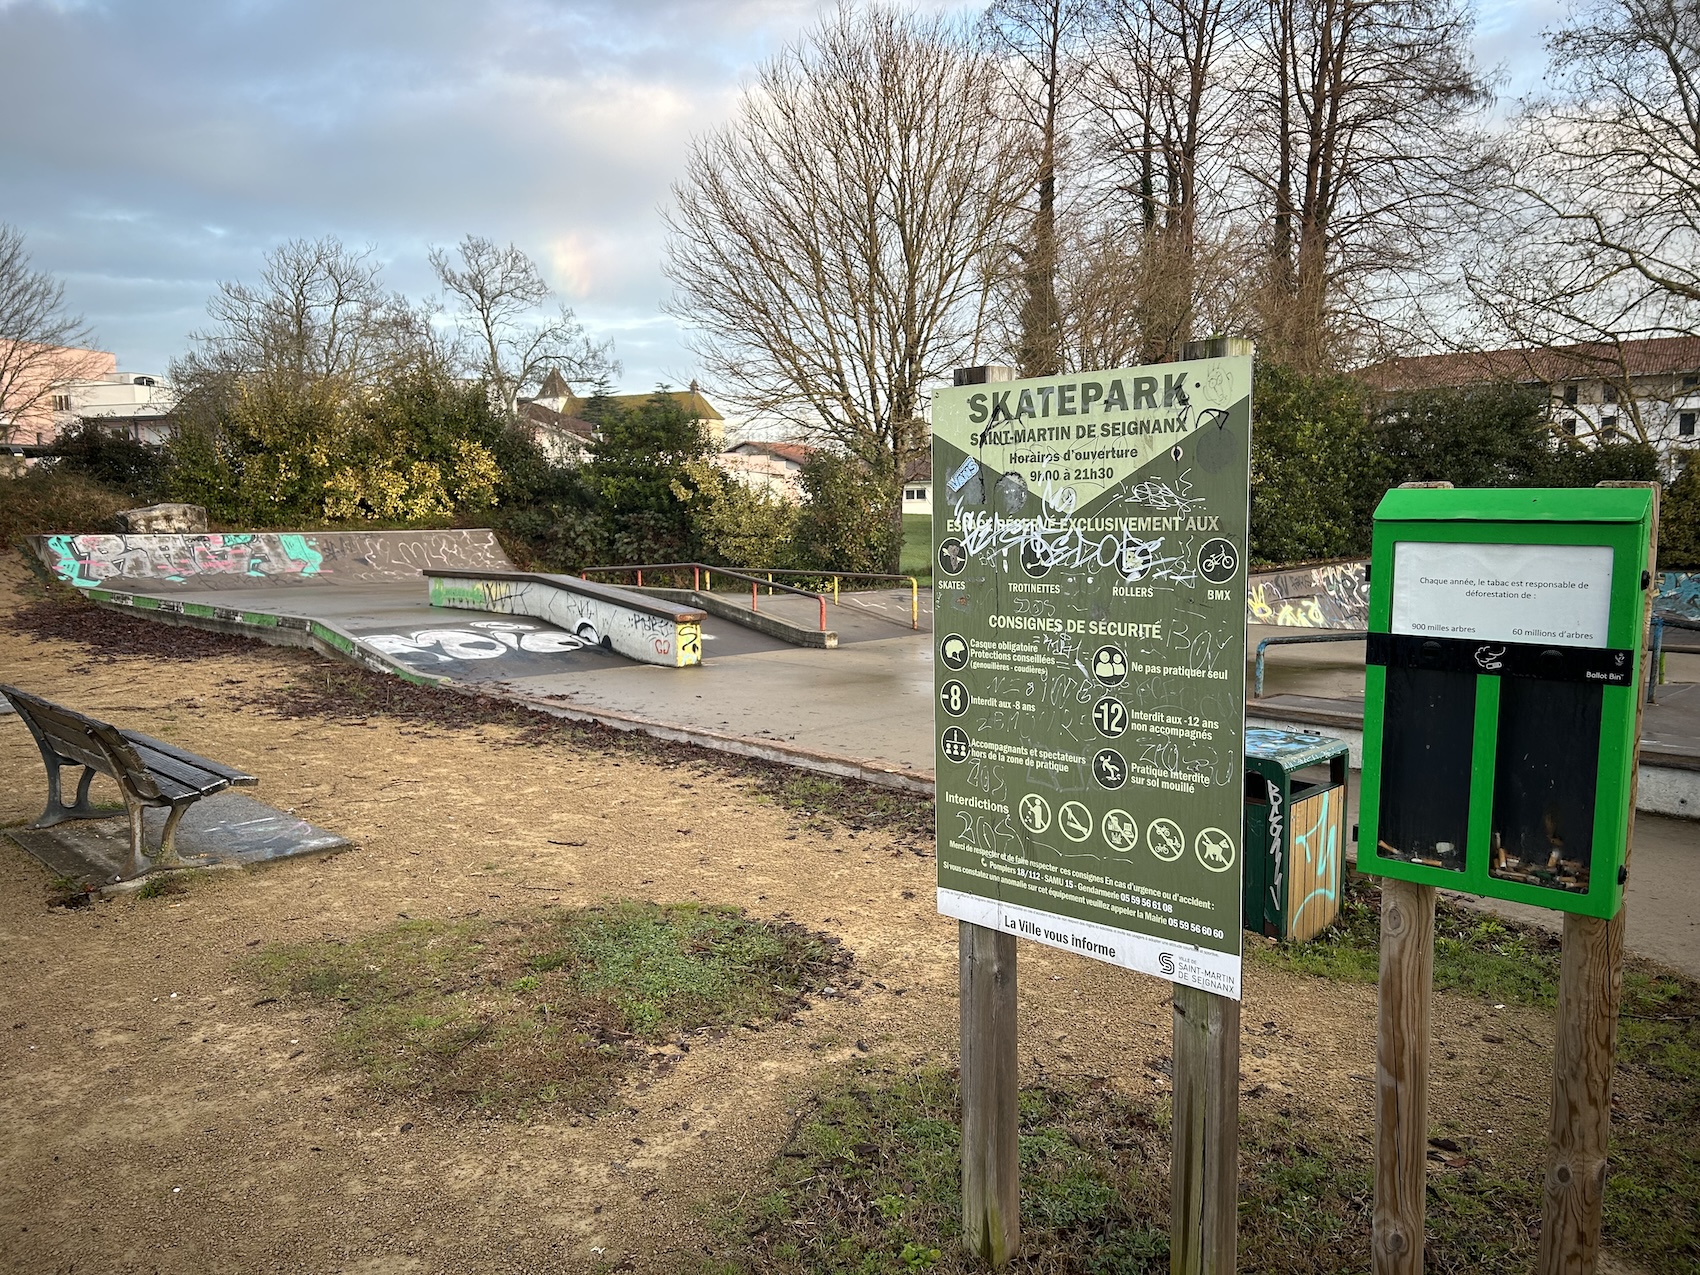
824,801
869,1182
1652,1206
549,1007
1473,951
869,1179
165,885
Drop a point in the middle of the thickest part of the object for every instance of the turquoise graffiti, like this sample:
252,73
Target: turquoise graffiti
91,561
1320,844
300,549
1678,595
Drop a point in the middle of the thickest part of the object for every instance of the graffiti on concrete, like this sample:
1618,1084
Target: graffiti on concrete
479,640
638,633
264,557
1678,595
1335,596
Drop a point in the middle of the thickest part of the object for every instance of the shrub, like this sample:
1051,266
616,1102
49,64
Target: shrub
851,519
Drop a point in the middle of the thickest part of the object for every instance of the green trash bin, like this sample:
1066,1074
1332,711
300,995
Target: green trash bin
1295,831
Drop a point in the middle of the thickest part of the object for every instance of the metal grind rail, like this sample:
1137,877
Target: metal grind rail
1354,636
701,573
1660,623
702,579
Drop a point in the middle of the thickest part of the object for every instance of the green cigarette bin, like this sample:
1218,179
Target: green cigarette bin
1295,827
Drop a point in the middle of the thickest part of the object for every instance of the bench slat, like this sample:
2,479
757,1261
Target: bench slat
170,790
56,722
228,773
192,778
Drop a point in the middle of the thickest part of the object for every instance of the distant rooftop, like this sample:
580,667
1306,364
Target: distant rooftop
1592,360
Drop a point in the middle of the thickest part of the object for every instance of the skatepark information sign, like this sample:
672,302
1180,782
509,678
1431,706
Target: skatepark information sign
1089,537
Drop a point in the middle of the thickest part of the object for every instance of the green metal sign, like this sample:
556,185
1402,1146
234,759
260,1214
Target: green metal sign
1503,675
1089,613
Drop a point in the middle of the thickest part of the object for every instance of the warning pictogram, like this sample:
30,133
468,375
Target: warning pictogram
1110,717
1075,820
1109,768
1121,833
955,743
1165,839
1109,666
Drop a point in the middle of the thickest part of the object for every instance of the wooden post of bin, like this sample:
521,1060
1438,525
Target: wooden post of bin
991,1195
1403,1005
1590,984
1204,1176
1404,1009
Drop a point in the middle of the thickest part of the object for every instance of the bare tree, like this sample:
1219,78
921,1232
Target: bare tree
39,338
1360,122
1162,129
318,315
1599,236
830,245
1038,44
501,293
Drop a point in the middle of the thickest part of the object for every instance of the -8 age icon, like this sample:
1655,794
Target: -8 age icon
953,698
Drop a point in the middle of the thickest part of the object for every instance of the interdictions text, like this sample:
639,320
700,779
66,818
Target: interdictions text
1118,898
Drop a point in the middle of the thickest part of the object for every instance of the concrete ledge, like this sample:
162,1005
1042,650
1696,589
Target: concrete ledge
275,630
771,625
621,620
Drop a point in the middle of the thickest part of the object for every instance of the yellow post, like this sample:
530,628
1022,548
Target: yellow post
834,590
914,603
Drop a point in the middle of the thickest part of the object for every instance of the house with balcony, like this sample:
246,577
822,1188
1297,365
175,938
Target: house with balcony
1596,392
46,391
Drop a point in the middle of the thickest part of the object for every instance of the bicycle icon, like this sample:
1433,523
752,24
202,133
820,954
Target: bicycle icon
1218,561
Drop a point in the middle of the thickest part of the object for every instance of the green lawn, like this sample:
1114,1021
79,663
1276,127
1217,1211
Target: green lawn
918,545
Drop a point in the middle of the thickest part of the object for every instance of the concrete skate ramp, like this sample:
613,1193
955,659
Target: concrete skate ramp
263,559
649,630
355,596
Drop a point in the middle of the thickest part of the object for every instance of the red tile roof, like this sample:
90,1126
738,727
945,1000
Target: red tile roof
1657,356
795,453
538,415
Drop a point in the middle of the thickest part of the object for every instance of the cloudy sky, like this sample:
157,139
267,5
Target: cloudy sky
150,148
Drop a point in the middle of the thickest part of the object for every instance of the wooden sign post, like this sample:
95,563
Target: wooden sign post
1204,1173
991,1169
1508,637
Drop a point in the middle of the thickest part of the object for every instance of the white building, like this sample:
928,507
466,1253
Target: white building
1596,392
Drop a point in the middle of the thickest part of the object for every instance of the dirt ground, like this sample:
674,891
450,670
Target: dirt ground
158,1119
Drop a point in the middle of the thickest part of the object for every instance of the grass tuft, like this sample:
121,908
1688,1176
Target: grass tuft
550,1007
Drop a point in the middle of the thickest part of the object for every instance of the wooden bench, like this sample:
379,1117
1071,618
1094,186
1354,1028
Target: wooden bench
148,771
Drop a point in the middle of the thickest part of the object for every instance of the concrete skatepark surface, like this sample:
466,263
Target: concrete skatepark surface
870,701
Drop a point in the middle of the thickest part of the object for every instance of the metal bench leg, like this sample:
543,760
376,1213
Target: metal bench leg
168,839
57,811
138,859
